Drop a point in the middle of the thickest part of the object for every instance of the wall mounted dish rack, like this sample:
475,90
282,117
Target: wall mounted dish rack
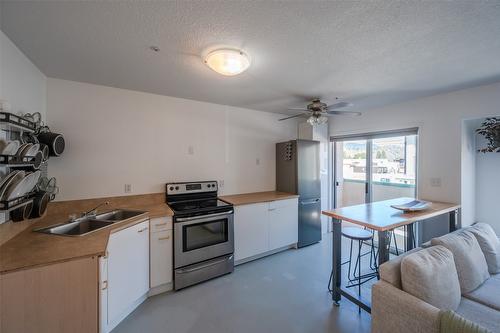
13,126
12,122
8,205
15,161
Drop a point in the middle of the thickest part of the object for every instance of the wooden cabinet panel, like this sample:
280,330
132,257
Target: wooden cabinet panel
283,223
161,258
251,231
55,298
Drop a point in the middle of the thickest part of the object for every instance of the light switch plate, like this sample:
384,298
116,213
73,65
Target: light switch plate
436,182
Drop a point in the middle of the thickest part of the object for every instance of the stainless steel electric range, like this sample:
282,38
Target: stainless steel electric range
203,232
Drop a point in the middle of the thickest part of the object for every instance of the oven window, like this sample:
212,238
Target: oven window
204,234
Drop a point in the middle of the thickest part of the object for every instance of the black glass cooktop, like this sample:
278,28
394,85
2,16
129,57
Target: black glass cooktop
198,205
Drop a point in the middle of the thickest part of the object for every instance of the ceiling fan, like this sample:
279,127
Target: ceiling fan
319,112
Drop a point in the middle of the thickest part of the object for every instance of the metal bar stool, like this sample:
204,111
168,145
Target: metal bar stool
356,280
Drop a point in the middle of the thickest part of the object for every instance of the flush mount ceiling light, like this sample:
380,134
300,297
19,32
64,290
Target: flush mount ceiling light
226,61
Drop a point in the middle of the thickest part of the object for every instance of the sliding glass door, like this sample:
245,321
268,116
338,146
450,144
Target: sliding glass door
394,165
351,173
374,167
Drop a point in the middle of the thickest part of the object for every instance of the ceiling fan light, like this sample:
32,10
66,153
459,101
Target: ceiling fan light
314,120
228,62
311,120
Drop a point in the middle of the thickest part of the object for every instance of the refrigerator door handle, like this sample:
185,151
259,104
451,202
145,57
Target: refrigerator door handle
310,202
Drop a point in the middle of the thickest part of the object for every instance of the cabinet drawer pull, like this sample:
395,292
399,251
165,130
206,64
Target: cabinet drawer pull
163,238
160,224
144,229
105,284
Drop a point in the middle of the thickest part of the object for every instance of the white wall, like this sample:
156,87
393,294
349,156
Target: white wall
440,121
487,186
117,136
468,173
21,82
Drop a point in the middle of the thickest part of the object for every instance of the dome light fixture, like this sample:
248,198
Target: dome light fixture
227,61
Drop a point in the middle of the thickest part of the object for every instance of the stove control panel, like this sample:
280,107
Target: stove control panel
191,187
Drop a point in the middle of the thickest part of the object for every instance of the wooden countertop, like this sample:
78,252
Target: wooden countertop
29,249
256,197
381,216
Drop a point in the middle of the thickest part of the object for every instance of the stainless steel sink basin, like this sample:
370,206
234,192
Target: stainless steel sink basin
76,228
118,215
88,224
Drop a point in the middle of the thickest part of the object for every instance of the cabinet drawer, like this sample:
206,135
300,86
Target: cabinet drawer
283,203
161,224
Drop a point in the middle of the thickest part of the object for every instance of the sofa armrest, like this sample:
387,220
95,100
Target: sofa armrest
394,310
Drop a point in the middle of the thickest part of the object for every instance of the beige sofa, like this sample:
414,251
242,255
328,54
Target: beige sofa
459,271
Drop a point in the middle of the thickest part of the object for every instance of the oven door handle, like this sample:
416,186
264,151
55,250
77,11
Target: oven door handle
200,217
197,268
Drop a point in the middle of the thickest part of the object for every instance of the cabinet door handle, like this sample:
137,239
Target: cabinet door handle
272,209
160,224
105,284
163,238
143,229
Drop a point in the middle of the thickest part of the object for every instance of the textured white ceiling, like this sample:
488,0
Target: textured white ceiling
369,52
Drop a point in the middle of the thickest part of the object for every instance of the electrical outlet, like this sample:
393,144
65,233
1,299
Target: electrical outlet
436,182
128,188
257,161
191,150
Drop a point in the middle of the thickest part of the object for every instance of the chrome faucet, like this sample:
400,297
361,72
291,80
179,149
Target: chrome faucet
93,211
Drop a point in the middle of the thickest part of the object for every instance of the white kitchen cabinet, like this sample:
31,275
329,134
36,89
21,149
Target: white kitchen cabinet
264,227
127,266
161,258
251,231
283,224
161,223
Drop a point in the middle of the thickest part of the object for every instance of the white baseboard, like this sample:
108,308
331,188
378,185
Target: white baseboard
160,289
265,254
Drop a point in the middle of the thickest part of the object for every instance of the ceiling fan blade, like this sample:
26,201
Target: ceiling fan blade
338,105
297,109
343,113
297,115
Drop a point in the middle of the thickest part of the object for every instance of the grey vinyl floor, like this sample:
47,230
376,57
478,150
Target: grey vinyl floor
285,292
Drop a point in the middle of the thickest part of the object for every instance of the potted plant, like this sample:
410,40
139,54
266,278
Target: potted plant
490,129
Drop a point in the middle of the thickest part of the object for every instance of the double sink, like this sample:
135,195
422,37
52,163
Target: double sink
87,224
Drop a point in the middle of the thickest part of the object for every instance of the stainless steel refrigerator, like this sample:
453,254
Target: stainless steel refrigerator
297,171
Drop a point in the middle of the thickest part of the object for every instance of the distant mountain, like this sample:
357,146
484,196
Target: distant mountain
392,151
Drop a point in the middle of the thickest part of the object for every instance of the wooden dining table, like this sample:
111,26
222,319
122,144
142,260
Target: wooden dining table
381,217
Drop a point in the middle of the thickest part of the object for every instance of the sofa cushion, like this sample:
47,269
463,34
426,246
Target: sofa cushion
480,314
487,294
469,259
390,271
490,245
431,276
452,322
